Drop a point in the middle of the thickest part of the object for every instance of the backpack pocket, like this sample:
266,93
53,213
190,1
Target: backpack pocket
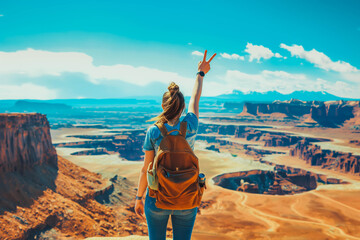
152,179
177,189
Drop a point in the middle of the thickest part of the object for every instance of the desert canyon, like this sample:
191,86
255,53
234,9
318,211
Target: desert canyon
280,170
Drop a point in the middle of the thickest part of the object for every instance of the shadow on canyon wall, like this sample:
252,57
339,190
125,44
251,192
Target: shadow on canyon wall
28,160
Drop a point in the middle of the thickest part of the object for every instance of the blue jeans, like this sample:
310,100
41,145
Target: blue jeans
157,219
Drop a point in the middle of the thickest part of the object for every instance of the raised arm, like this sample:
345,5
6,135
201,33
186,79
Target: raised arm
203,66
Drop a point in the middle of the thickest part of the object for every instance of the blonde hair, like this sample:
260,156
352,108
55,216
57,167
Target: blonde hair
173,103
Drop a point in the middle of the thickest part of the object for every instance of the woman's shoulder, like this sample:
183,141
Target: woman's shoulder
192,122
153,131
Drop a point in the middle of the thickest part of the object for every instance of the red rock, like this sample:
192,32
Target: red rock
333,160
25,141
45,191
328,114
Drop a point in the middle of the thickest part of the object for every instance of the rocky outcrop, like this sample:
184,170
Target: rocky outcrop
263,182
213,148
333,160
291,108
332,113
217,128
355,142
241,181
128,144
25,141
328,114
41,192
211,134
283,180
275,140
65,201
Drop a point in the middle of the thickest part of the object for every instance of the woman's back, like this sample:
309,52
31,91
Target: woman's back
153,136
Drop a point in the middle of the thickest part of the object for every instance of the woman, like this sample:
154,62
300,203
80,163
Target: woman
173,105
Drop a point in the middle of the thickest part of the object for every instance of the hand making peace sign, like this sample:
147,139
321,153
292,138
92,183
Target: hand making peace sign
205,65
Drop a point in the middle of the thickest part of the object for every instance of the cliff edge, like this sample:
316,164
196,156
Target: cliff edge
44,196
25,141
327,114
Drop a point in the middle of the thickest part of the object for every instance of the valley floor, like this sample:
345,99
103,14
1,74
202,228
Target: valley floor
329,212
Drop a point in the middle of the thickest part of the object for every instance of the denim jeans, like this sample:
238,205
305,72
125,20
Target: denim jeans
157,219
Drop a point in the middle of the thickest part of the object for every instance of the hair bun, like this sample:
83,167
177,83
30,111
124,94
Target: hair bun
173,88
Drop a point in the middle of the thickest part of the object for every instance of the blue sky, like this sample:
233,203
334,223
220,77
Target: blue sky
115,49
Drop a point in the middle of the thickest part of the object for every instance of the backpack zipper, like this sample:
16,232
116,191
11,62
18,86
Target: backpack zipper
168,174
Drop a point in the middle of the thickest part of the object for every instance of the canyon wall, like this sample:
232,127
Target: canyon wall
334,160
283,180
127,143
296,108
42,193
25,141
270,138
328,114
333,112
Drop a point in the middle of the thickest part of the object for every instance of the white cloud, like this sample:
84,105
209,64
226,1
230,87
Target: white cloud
197,53
258,51
136,75
26,91
35,63
319,59
283,82
233,56
277,55
339,88
1,15
352,77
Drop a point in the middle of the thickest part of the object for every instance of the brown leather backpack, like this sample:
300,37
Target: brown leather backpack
177,172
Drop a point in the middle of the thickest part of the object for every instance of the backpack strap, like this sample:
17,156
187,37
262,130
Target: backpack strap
183,127
164,131
162,128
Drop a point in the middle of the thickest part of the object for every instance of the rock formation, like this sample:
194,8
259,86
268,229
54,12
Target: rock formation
255,181
355,142
291,108
332,113
284,180
333,160
217,128
213,148
41,192
328,114
25,141
127,143
209,133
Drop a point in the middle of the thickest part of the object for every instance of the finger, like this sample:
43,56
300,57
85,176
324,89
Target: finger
212,57
204,60
141,214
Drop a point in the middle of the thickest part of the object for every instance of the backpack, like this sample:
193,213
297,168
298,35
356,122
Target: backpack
174,174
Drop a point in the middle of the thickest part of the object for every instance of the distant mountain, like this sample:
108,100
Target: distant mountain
270,96
37,106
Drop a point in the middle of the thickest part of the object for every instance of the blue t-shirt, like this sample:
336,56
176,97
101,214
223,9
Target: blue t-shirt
153,136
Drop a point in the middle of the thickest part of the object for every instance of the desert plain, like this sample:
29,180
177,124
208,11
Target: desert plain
331,211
